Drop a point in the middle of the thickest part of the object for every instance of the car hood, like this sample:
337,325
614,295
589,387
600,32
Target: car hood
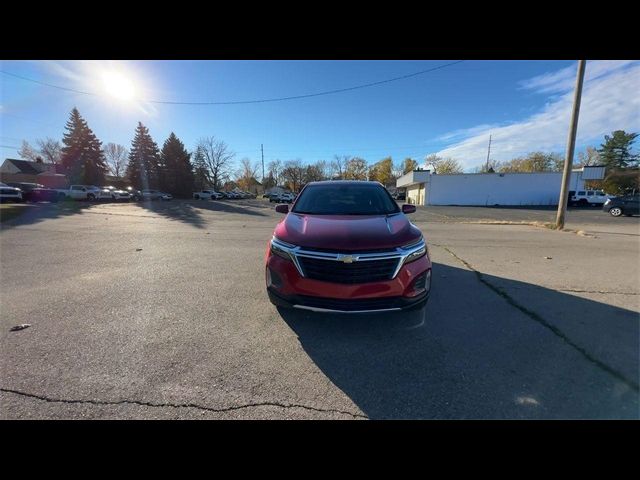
347,232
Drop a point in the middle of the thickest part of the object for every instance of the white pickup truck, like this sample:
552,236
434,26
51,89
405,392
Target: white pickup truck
207,194
79,192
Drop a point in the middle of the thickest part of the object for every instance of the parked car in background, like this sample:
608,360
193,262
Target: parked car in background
626,205
101,193
400,196
134,194
35,192
10,194
273,197
286,198
347,247
155,195
587,197
77,192
118,195
207,194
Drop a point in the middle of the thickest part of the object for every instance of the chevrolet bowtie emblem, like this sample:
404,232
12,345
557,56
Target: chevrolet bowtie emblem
347,259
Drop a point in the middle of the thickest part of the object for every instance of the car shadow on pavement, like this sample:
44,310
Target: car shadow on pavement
518,351
177,210
190,211
31,213
243,207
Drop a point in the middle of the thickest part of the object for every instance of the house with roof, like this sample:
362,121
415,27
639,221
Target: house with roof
13,170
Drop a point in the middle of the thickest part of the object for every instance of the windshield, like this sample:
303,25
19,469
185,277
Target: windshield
345,199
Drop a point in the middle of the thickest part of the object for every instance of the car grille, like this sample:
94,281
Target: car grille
349,273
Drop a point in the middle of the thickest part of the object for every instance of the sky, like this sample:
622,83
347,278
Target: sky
524,105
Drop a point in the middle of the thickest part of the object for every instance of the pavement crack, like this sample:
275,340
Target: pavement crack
181,405
596,291
555,330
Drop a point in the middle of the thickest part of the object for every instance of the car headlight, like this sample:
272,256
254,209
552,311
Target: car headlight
417,250
281,249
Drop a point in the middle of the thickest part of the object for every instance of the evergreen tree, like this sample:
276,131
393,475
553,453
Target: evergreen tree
177,174
145,166
615,152
82,158
200,171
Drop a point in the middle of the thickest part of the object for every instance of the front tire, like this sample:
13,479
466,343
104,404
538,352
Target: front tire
615,211
197,197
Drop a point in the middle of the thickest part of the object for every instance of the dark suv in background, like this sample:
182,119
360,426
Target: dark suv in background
34,192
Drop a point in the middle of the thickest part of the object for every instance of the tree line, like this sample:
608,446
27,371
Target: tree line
83,158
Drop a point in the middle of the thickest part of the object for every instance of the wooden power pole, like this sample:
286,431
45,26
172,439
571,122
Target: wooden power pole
571,144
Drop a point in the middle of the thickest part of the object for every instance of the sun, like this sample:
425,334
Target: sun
118,85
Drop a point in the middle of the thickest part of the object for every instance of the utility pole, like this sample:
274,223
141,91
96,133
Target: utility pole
571,144
262,151
488,152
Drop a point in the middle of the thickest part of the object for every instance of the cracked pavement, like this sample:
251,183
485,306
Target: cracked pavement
158,311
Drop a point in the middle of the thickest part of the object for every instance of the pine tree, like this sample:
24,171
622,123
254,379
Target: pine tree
177,173
144,169
615,152
82,158
200,170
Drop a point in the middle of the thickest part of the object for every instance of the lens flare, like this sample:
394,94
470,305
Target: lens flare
118,86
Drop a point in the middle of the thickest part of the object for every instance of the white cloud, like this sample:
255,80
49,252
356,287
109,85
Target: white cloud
564,80
610,101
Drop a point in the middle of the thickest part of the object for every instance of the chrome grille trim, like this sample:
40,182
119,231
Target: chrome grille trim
399,253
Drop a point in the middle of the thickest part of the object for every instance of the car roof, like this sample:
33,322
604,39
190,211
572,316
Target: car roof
345,182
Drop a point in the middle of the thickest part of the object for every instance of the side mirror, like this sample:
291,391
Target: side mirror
408,208
282,208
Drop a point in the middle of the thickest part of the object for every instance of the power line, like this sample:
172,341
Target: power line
280,99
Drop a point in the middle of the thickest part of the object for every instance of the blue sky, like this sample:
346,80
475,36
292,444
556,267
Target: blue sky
524,105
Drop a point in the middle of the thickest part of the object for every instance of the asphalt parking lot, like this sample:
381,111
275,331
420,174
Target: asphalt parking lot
158,311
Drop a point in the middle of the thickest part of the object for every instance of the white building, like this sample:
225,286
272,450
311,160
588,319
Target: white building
488,189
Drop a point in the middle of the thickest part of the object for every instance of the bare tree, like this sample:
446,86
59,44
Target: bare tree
293,174
444,165
28,152
489,167
339,166
217,158
117,158
590,156
322,169
398,170
50,150
246,177
275,170
356,169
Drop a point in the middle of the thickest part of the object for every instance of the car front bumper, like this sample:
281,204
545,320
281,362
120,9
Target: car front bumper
333,305
287,288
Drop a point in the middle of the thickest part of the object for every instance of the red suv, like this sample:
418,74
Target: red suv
346,246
